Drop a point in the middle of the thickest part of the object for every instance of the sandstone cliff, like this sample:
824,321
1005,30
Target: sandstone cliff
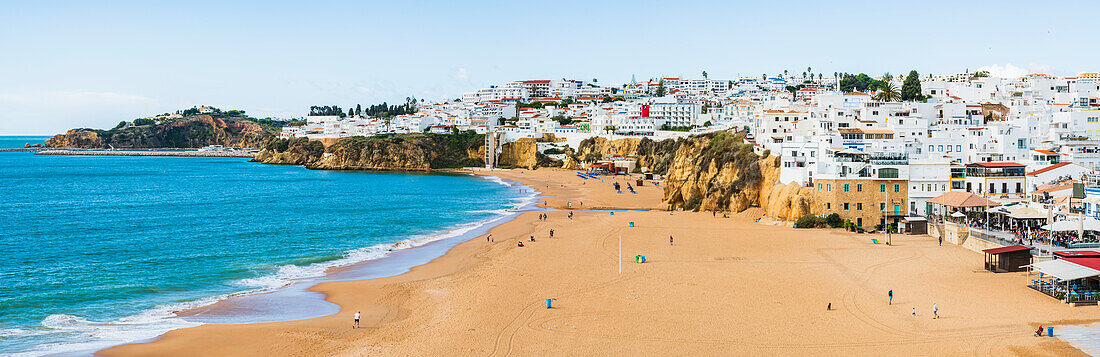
189,132
76,138
409,152
720,172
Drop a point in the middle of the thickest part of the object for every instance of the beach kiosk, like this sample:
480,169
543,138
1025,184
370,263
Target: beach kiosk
915,225
1007,259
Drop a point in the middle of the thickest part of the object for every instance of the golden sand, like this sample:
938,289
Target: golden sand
726,286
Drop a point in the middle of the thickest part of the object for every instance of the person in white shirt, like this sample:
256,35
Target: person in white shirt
356,324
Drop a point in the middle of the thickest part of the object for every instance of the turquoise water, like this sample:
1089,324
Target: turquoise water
101,250
8,142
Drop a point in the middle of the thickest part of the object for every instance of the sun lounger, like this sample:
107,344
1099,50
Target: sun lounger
875,241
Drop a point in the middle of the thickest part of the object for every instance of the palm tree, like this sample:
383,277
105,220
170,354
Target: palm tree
810,70
704,74
784,73
887,93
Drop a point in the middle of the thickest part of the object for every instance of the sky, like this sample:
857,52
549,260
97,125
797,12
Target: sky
68,64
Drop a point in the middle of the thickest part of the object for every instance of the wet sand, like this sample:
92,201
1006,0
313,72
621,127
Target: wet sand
727,286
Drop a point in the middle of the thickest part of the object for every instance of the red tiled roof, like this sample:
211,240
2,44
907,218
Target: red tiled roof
1008,249
1048,168
1048,152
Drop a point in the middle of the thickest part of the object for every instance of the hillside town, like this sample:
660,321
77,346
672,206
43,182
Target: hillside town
881,152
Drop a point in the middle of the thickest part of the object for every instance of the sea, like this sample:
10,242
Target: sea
103,250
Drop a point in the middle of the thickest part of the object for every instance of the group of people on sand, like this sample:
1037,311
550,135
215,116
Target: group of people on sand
935,308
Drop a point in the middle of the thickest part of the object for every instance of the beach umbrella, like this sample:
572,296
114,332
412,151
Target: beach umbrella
958,214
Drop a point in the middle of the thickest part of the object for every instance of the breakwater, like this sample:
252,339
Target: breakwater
188,153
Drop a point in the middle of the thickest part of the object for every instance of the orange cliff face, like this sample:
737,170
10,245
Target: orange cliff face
76,138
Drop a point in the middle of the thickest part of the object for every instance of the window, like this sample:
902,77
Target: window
845,206
828,187
845,187
1004,187
859,222
859,206
958,148
967,187
897,188
818,187
882,188
897,209
941,148
828,206
1093,119
882,206
1018,190
859,187
992,189
888,173
949,148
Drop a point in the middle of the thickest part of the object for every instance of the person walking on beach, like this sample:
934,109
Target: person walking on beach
570,214
891,295
356,323
941,241
669,240
551,233
935,311
914,311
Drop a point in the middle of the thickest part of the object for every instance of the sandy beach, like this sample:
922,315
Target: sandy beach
725,286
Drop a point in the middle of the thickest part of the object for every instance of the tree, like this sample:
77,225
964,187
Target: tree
358,109
784,73
708,123
594,80
886,77
704,74
351,112
661,88
610,128
887,93
764,76
981,74
910,90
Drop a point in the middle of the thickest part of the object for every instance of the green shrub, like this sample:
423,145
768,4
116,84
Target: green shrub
834,220
809,221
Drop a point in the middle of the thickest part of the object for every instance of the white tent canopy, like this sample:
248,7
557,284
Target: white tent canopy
1090,224
958,214
1064,270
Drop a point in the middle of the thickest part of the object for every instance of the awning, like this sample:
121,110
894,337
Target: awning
1090,224
914,219
958,214
1064,270
1008,249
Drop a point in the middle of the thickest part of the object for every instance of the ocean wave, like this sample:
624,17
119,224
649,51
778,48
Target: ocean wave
90,336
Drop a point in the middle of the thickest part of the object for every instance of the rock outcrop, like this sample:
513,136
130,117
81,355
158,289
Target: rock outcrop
189,132
720,172
520,153
409,152
76,138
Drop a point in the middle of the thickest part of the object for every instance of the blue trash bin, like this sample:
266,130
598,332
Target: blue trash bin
1050,331
547,303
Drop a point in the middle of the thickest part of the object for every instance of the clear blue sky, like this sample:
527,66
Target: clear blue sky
91,64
